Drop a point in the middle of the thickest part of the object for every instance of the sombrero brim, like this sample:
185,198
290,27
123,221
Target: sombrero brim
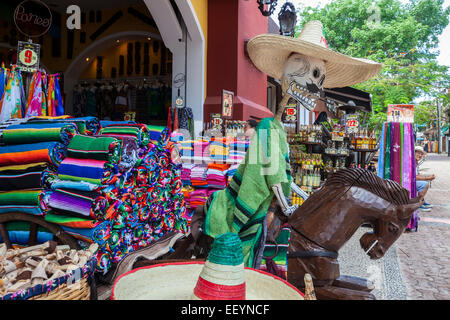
176,281
270,51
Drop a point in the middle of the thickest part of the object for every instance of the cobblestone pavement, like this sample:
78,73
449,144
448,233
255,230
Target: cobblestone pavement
424,256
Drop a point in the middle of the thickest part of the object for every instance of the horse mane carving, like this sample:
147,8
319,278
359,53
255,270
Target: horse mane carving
387,189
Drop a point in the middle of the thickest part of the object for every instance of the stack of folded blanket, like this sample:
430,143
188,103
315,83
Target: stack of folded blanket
199,176
201,148
218,148
217,175
186,148
27,170
237,149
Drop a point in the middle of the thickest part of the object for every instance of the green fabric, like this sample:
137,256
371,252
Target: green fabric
22,226
141,134
387,154
242,207
98,148
226,250
21,197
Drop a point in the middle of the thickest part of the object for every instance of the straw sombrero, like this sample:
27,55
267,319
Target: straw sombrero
221,277
270,51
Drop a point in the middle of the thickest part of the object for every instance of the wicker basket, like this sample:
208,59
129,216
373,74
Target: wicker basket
73,286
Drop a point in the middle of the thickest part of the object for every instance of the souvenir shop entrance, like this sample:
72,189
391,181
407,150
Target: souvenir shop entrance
131,58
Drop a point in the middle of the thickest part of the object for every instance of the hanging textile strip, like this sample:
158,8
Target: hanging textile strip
26,201
34,133
382,150
402,144
396,160
96,148
87,170
406,163
414,223
79,203
59,105
12,101
387,154
50,152
138,131
27,176
36,104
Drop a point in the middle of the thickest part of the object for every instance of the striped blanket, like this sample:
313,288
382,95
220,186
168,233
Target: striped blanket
24,201
93,171
159,135
26,176
19,233
99,234
275,259
49,152
84,204
96,148
39,132
138,131
86,125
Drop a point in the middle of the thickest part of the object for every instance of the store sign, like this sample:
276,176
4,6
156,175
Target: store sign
400,113
28,55
290,113
227,104
33,18
179,102
129,116
351,123
297,93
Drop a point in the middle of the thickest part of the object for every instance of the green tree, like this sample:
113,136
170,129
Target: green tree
403,37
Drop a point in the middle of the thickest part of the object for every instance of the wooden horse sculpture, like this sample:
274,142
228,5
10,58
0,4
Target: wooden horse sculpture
322,225
329,218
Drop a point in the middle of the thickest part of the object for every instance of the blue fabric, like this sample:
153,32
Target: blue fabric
34,210
74,185
380,170
80,171
21,237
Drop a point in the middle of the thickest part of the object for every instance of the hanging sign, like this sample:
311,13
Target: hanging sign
290,113
28,55
351,123
216,120
227,104
32,18
179,102
400,113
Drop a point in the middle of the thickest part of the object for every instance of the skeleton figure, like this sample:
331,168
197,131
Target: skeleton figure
308,74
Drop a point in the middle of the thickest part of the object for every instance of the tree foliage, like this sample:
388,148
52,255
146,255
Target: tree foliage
403,37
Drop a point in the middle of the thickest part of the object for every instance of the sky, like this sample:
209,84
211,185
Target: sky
444,38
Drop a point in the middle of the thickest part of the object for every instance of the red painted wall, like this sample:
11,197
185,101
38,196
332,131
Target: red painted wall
230,24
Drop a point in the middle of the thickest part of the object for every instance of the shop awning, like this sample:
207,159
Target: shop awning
350,96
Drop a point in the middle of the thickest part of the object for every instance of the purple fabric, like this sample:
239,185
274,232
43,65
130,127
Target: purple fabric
67,204
396,155
413,224
406,174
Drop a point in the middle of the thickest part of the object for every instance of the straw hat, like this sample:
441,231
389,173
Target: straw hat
221,277
419,149
270,51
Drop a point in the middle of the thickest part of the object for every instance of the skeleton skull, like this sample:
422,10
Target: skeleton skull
306,71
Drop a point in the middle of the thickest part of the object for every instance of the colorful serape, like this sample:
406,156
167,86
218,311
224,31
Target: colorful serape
92,171
159,135
99,234
19,233
96,148
27,176
33,133
25,201
50,152
277,264
79,203
137,131
86,125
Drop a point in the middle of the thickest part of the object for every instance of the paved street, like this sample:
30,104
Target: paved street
425,255
417,267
